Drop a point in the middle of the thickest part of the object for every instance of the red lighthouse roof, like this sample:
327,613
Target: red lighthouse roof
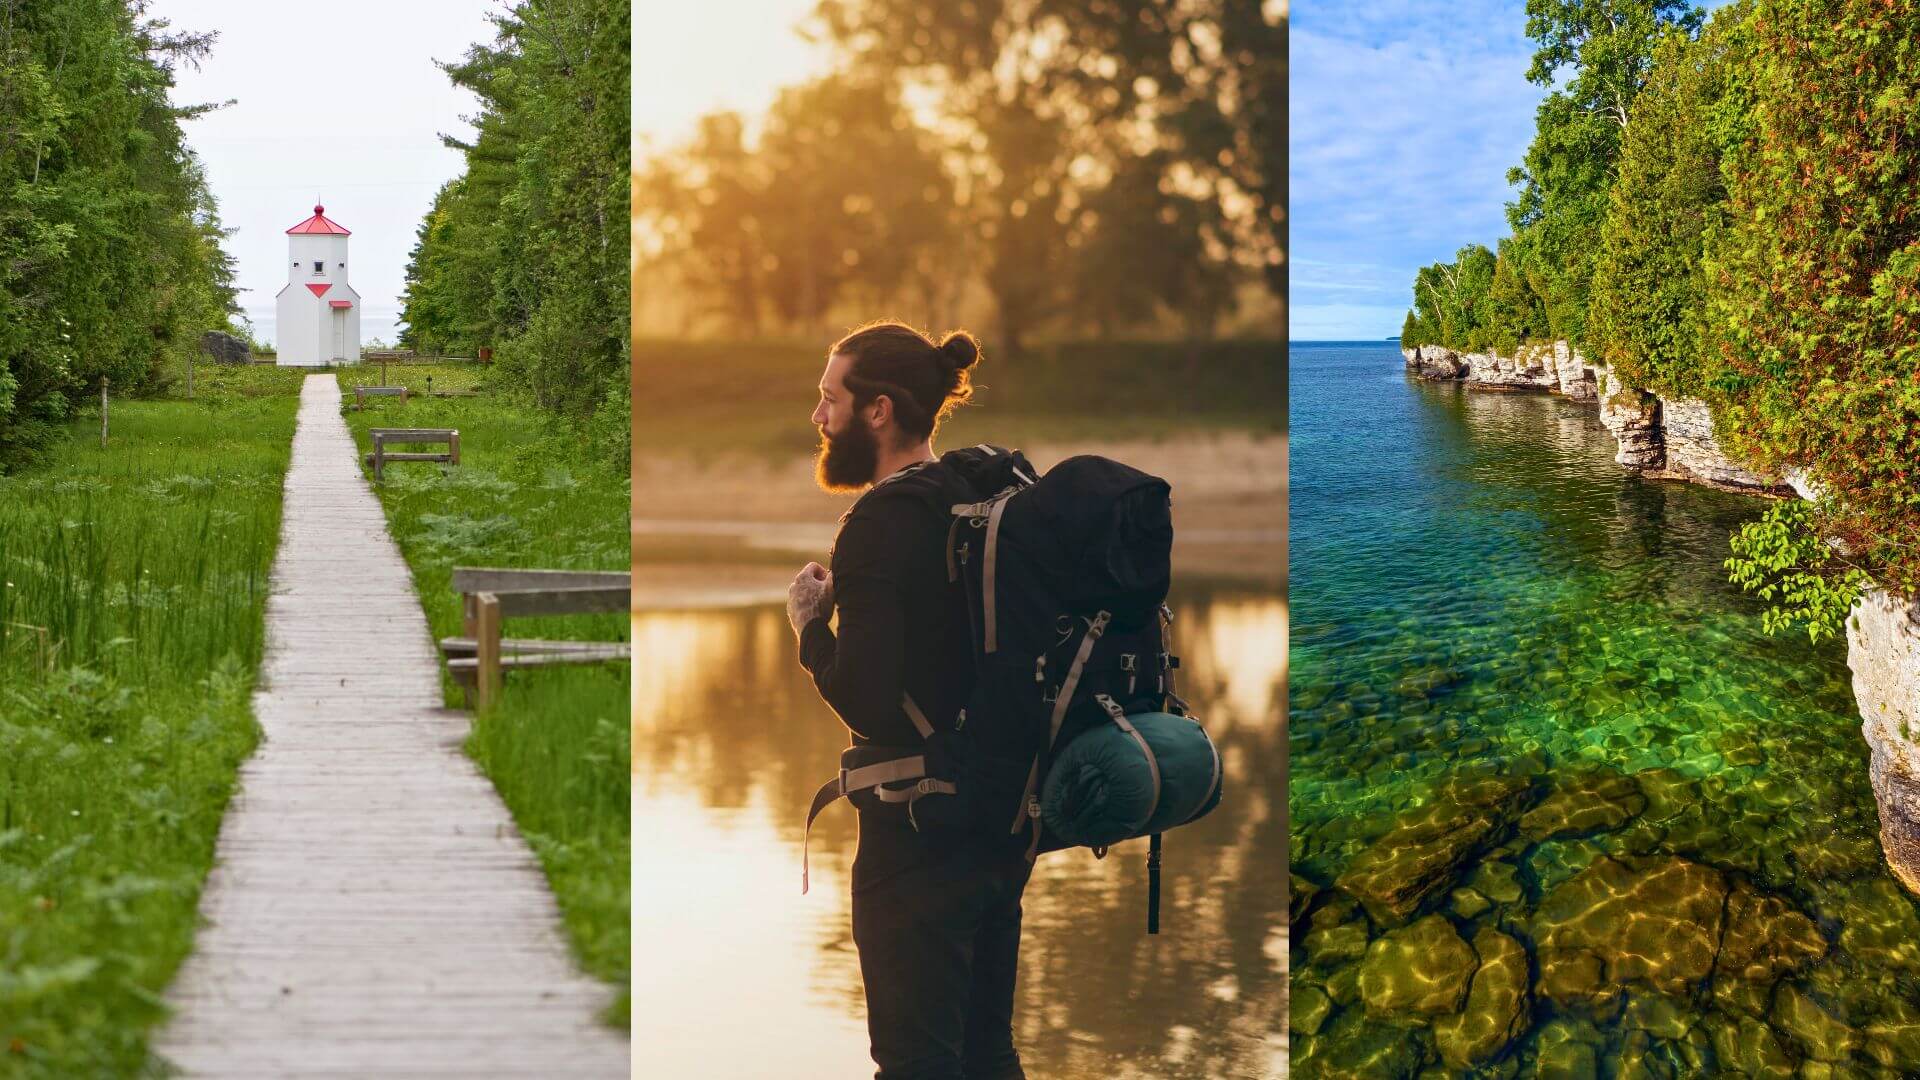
318,223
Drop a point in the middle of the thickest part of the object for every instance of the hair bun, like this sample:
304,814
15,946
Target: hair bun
960,350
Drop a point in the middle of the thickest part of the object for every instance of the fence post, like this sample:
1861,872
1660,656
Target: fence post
486,649
103,412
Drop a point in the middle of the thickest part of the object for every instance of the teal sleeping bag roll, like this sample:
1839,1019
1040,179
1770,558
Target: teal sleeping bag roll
1105,787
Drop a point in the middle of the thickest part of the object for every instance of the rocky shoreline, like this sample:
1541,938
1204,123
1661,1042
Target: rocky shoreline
1672,438
1667,438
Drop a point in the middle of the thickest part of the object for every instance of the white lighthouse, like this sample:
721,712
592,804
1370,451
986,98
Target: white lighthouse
318,313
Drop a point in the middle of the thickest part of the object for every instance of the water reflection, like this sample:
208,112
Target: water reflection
729,742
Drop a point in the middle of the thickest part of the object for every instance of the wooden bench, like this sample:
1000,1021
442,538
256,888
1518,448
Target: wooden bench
362,393
479,658
383,436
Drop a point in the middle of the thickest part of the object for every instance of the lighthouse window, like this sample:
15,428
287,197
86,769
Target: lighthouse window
319,267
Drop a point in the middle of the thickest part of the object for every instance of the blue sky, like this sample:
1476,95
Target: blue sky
1405,118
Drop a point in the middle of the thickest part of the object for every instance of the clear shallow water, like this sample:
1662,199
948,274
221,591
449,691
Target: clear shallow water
738,975
1524,702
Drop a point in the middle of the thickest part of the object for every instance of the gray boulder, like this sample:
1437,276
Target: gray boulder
225,348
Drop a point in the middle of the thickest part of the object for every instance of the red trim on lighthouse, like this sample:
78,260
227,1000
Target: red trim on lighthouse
318,223
339,303
319,290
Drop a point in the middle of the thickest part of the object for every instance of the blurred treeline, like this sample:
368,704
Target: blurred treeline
1032,167
526,252
110,256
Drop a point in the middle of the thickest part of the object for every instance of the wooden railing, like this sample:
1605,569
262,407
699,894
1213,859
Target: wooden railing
480,658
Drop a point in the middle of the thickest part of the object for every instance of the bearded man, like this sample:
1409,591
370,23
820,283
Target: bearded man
936,920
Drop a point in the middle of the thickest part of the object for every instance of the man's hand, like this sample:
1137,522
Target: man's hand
810,595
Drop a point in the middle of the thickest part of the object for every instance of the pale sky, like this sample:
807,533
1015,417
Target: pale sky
690,59
341,101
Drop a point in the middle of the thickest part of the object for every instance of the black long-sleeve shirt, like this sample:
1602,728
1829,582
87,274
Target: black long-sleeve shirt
901,627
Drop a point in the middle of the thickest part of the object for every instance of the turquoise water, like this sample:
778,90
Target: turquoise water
1540,748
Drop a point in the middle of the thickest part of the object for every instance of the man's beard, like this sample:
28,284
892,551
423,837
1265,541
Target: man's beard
847,460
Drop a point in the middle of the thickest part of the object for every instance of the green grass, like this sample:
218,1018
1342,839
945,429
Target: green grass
224,382
711,397
132,585
529,492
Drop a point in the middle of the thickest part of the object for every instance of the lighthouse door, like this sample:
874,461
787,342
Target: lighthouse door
339,333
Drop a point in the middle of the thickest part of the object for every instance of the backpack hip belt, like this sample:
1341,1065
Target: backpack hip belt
873,775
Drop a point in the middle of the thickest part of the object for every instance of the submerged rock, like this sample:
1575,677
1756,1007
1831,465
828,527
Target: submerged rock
1336,933
1308,1009
1468,904
1496,1008
1426,851
1557,860
1749,1048
1877,920
1883,651
1422,968
1576,981
1668,792
1343,985
1650,919
1300,894
1766,937
1824,1037
1567,1061
1833,854
1893,1038
1498,881
1582,804
1659,1016
1356,1047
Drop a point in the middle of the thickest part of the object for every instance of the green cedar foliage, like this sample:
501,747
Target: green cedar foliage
1607,46
1650,289
1450,301
527,251
110,257
1515,314
1814,288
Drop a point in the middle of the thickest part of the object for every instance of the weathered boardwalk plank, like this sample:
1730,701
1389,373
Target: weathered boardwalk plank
372,910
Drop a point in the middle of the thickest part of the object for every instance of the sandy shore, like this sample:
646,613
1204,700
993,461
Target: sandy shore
733,530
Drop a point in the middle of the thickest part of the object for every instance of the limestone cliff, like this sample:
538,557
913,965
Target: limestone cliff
1662,437
1883,651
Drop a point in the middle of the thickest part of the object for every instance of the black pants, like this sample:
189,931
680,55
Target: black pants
939,948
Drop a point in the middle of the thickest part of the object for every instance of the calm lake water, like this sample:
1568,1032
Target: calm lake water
1538,736
738,975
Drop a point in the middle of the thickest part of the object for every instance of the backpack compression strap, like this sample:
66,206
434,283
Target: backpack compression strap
988,513
1153,844
871,777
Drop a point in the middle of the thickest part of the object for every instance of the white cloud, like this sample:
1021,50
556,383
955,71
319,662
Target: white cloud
1405,119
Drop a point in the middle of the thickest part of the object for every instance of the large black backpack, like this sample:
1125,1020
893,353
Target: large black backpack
1066,578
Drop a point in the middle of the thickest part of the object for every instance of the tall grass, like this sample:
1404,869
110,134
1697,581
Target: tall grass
132,584
530,492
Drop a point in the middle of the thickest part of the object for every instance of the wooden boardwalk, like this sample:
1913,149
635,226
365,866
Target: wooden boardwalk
372,911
